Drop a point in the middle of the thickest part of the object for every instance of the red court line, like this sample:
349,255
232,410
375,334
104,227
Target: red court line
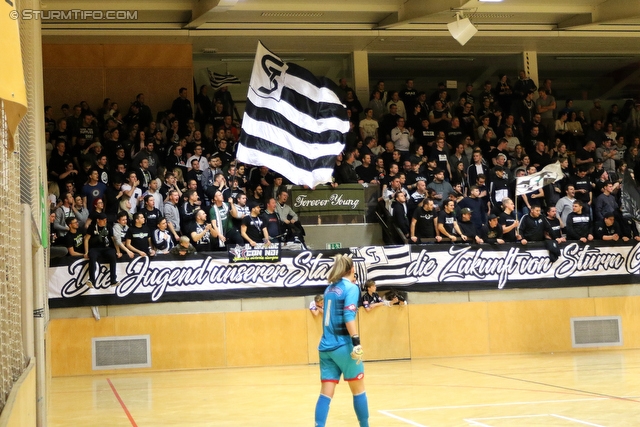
126,411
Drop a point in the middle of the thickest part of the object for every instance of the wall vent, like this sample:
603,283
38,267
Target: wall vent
597,331
121,352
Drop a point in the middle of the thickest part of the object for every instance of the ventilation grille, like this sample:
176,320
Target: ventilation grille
121,352
596,331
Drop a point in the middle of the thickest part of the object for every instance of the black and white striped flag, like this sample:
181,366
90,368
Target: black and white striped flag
218,80
293,123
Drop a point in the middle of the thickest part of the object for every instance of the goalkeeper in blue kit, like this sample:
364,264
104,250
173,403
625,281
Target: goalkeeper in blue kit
340,349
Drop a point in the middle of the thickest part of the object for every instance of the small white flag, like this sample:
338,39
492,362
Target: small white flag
530,183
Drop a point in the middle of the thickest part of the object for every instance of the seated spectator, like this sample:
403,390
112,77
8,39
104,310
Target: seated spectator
492,231
608,229
579,223
183,248
98,243
73,239
532,226
138,238
346,172
317,305
161,238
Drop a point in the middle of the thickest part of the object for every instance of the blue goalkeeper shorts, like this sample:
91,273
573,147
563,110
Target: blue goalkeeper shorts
339,362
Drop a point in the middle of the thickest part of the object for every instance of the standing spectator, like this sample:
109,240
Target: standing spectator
509,222
181,108
597,113
138,237
447,223
424,223
579,224
74,239
546,107
120,229
161,238
254,228
172,213
492,231
564,206
221,215
523,85
98,244
94,189
532,226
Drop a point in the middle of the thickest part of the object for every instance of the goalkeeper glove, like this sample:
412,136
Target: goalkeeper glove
357,352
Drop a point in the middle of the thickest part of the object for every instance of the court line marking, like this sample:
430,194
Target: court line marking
482,405
592,393
475,422
577,421
390,415
126,411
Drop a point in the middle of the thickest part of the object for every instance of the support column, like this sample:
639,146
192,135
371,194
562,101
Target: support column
361,75
530,66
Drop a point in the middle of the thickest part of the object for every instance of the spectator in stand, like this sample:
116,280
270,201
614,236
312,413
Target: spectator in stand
447,223
399,212
161,238
63,212
151,214
491,232
221,215
468,228
424,223
183,248
605,202
608,229
98,244
532,226
254,228
172,213
74,239
138,237
564,206
442,187
476,205
579,223
80,212
509,222
120,229
181,108
553,226
346,173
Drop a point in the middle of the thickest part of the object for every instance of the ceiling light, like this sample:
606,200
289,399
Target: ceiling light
462,29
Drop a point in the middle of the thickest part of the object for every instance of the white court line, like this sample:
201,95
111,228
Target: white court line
483,405
510,416
577,421
413,423
476,423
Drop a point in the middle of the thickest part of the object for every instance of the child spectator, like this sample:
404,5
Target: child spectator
317,305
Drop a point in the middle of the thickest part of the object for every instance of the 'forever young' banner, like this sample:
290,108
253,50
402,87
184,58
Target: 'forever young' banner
414,268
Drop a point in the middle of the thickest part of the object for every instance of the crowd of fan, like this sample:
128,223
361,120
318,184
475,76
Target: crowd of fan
447,168
172,185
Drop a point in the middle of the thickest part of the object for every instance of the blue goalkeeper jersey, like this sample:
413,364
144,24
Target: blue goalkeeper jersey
340,307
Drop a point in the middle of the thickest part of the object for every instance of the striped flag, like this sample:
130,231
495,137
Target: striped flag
548,175
293,123
630,198
218,80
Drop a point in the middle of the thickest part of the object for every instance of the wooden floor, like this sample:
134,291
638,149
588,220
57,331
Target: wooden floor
599,388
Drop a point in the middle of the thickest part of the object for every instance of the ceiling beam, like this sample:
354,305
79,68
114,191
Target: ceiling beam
616,10
413,10
203,10
633,77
